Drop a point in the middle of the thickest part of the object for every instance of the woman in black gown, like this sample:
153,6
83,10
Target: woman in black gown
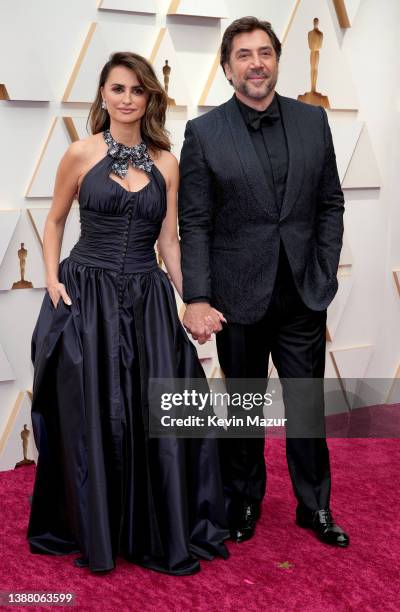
107,324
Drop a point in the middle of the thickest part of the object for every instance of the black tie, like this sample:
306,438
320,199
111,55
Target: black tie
266,117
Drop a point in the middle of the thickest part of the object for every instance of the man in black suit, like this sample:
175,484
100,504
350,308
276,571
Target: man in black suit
261,225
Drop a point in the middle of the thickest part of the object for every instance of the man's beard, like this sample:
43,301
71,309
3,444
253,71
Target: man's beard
257,94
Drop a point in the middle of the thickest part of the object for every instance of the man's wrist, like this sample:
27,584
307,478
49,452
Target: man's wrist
197,300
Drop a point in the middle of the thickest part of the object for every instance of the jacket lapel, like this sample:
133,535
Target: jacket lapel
258,183
295,175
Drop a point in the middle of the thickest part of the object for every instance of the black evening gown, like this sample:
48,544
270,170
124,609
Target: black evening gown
103,487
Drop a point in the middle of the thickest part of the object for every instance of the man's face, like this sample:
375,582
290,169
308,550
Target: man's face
253,65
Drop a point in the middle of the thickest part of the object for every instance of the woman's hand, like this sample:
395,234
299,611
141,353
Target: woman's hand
201,320
56,291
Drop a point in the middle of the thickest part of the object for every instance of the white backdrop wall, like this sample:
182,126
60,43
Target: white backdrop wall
40,44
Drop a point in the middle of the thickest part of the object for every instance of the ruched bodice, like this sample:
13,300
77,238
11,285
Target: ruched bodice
119,227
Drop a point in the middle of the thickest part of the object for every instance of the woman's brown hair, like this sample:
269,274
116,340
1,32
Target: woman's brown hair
152,125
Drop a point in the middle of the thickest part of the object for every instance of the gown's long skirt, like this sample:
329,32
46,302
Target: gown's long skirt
103,486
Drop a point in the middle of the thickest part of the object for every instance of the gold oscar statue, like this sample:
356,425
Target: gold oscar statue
315,39
166,72
22,284
25,439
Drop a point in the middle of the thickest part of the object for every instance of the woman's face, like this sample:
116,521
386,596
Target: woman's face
126,99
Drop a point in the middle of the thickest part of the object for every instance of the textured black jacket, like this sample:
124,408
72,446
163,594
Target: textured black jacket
230,227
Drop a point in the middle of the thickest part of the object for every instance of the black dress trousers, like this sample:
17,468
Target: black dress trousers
294,336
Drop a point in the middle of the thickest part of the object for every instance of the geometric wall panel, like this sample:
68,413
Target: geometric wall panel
362,171
345,135
393,396
337,307
176,124
217,89
4,95
8,223
334,77
330,372
6,371
20,83
128,6
352,7
164,50
351,365
18,425
37,44
19,309
396,276
206,8
28,88
57,142
346,257
76,127
100,41
71,129
10,269
81,86
346,11
352,362
280,14
71,229
8,392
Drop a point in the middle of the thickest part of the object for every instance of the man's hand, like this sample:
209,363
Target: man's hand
201,320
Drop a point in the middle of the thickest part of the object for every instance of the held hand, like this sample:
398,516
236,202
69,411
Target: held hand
56,291
214,319
201,320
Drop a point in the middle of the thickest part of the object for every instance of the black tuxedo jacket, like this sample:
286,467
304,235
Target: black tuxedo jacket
230,226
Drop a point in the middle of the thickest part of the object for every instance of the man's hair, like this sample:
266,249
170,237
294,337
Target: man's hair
246,24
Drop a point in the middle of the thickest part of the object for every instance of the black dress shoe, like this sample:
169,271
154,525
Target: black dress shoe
321,522
244,529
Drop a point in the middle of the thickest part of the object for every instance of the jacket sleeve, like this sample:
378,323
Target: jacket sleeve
330,207
195,217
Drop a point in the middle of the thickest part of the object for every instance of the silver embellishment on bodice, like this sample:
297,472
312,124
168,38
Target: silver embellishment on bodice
123,156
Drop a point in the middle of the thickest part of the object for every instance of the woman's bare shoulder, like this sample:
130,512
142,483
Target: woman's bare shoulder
83,150
167,163
166,157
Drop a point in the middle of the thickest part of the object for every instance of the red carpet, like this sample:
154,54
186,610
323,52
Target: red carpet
314,576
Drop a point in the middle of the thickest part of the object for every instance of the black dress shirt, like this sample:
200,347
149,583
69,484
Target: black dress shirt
268,136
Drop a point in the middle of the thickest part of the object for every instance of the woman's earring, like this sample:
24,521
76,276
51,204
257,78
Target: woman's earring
103,105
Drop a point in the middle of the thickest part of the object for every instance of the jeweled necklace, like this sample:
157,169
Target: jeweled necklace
137,156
